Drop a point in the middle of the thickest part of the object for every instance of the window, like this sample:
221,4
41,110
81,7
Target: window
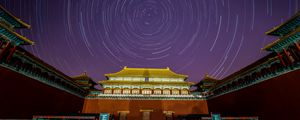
117,91
126,91
184,92
175,92
136,79
147,91
157,91
135,91
107,91
166,92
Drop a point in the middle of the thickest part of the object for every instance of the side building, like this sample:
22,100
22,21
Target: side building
30,86
268,87
85,82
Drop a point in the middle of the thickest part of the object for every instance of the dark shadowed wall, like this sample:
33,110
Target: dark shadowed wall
22,97
274,99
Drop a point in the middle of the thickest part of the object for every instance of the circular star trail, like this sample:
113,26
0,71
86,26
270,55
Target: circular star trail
191,37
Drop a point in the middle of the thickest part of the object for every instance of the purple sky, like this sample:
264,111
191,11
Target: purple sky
190,36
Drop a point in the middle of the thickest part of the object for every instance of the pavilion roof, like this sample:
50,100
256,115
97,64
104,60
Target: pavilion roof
16,22
286,27
11,35
146,72
83,76
285,40
208,78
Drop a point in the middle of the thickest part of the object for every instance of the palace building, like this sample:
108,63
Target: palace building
145,93
84,81
266,89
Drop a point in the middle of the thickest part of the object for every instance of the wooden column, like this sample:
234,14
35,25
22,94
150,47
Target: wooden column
297,46
12,51
295,53
287,54
1,43
4,49
280,58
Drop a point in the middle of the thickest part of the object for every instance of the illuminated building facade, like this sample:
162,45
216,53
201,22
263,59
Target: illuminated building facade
145,93
146,81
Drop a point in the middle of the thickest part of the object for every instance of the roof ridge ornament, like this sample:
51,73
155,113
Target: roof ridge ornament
207,76
85,73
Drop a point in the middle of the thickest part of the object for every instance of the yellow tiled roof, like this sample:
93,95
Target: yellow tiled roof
118,82
82,76
146,72
208,78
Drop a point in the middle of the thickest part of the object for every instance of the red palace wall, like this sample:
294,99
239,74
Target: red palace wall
23,97
274,99
180,107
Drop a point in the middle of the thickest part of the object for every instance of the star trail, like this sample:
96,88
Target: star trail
191,37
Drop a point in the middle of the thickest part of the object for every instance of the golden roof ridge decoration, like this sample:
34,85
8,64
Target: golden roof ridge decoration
119,82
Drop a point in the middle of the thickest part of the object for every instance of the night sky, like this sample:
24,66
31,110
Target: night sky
192,37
